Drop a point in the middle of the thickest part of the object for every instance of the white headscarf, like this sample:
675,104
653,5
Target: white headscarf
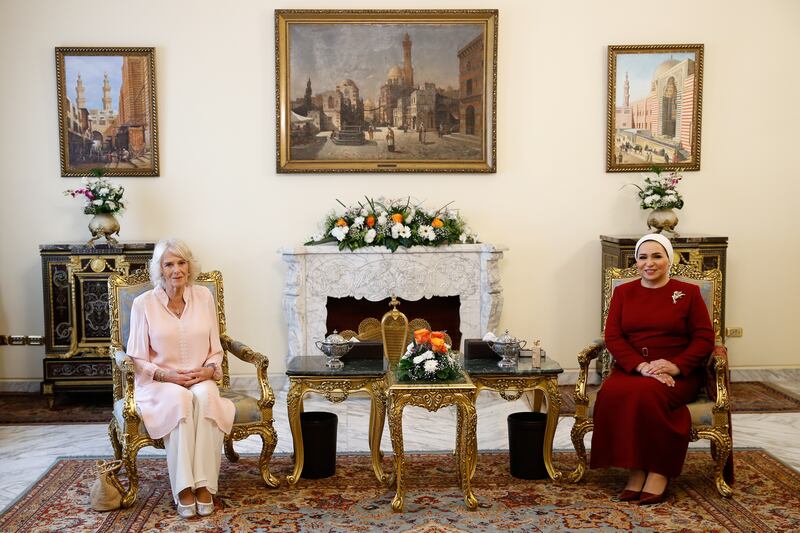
660,239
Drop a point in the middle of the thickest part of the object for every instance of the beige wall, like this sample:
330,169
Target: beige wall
549,201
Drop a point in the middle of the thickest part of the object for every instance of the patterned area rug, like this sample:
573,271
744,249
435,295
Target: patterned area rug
765,499
746,397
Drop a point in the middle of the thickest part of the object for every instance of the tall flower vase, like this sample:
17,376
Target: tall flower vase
663,219
103,225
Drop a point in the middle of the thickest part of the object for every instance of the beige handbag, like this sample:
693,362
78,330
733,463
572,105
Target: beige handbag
106,494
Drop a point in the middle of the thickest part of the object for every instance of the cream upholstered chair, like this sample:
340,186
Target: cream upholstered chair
710,412
394,333
126,430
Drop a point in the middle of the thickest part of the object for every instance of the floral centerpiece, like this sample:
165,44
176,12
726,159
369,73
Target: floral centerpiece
428,358
100,195
393,223
660,194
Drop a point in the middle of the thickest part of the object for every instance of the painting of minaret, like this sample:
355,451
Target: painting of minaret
655,107
107,111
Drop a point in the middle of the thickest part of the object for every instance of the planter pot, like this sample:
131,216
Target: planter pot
663,219
103,225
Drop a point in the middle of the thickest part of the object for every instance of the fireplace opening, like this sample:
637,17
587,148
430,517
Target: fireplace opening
441,312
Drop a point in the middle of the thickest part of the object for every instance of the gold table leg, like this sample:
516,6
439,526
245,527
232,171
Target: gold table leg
553,398
467,446
377,416
294,401
396,431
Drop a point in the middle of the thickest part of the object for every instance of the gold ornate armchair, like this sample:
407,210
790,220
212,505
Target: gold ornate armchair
126,430
710,412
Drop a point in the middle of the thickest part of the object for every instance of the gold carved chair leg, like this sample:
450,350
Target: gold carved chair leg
230,452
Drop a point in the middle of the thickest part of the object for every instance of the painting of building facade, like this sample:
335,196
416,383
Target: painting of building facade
654,109
371,94
107,111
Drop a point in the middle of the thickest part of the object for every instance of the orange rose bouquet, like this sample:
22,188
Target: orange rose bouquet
393,224
428,358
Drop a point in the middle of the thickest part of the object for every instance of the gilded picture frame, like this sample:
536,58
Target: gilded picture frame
386,90
655,97
107,113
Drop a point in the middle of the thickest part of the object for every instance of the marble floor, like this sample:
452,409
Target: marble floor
26,452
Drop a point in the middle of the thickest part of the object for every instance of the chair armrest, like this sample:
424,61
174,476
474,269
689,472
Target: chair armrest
585,357
244,353
124,385
721,380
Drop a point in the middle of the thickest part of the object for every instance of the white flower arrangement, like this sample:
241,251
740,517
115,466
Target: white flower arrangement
393,223
660,192
428,358
100,195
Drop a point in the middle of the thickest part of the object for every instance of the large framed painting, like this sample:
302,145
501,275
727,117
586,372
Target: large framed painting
386,90
107,111
655,95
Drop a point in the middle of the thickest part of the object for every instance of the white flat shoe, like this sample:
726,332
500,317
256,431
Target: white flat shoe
205,509
186,511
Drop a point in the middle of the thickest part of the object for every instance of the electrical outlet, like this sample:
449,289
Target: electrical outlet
734,331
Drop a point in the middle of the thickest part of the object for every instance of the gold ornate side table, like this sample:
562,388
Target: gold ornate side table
513,382
309,374
433,396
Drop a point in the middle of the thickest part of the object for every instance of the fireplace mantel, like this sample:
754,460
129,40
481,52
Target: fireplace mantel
469,271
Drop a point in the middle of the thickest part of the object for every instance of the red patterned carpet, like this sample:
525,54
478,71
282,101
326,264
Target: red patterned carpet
765,499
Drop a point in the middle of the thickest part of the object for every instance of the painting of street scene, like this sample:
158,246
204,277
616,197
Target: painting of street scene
656,108
385,92
107,112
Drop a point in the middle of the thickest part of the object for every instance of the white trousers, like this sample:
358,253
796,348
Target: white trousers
194,447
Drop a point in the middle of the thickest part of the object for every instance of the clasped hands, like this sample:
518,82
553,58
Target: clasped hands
660,369
187,378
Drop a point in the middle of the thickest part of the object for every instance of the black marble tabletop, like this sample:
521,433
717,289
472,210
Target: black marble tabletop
314,365
477,367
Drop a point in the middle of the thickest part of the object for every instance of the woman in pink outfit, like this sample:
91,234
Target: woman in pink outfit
174,343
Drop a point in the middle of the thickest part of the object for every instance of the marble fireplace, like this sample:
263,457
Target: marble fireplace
315,273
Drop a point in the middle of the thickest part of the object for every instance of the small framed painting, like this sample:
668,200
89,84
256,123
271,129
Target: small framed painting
386,90
654,107
107,111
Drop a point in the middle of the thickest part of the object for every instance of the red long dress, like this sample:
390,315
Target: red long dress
639,422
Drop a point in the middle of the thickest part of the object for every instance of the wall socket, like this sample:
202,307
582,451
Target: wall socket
734,331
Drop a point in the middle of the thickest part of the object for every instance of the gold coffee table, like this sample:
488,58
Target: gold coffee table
433,396
309,374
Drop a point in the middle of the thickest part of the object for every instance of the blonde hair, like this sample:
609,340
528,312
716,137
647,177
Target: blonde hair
176,247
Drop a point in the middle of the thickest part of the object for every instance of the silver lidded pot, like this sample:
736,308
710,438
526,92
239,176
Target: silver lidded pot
334,347
507,347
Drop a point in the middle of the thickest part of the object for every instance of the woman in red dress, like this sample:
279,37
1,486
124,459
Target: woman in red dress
660,335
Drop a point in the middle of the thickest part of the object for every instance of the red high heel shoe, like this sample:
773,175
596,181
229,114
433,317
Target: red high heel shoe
629,495
647,498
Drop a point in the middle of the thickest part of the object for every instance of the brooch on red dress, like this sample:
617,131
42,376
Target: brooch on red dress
677,295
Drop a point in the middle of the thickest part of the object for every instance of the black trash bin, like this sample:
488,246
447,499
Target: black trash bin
319,444
526,444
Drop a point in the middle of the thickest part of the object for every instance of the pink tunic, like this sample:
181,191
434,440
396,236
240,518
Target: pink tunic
160,340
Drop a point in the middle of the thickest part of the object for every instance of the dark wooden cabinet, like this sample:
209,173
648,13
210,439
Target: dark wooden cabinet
704,252
76,313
